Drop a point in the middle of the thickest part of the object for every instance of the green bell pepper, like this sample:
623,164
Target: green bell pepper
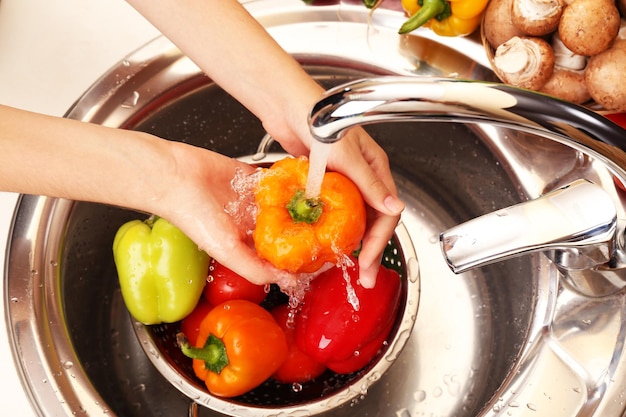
161,271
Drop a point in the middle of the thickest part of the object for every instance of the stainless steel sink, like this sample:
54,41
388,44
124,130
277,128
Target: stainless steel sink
511,338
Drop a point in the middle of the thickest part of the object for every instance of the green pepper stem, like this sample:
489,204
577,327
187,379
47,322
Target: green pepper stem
213,353
303,209
430,9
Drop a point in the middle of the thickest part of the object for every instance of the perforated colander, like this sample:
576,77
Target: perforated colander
326,392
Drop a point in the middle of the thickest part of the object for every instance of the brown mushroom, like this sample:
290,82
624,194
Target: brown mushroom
568,78
525,62
606,78
567,85
536,17
589,27
497,24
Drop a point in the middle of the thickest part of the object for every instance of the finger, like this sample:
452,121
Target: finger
367,165
374,244
254,269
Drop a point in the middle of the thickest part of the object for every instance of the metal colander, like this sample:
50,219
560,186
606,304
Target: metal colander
328,391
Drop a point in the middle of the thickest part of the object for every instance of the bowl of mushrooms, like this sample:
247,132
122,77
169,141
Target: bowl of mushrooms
574,50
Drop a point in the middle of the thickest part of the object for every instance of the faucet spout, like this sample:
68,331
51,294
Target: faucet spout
579,218
405,98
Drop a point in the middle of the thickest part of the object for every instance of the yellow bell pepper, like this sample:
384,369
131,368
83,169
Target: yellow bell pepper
444,17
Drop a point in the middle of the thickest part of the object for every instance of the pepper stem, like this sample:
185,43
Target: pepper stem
213,353
303,209
439,9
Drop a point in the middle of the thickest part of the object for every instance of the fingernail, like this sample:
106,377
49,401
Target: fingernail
394,204
367,278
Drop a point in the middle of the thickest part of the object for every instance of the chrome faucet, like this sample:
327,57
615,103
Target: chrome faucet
578,220
576,225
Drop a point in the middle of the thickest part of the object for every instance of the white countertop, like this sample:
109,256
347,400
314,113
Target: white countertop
51,51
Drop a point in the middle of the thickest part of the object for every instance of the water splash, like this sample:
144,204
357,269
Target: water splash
243,209
344,262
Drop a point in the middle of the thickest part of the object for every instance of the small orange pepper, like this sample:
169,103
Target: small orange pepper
239,346
299,234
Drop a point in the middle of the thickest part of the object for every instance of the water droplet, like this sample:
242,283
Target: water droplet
131,101
296,387
531,407
403,412
14,299
67,364
419,396
375,376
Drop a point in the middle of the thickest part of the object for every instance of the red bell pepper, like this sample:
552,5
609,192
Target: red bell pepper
298,367
334,330
190,325
224,285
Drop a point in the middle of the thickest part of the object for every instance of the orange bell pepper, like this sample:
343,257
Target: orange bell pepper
299,234
239,346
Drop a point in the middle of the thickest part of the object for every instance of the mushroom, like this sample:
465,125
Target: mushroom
498,26
567,85
588,27
565,57
525,62
606,78
568,78
536,17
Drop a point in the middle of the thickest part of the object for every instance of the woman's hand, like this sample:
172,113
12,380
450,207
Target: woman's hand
195,197
362,160
282,101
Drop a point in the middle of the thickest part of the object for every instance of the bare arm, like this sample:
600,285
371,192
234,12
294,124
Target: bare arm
232,48
223,39
187,185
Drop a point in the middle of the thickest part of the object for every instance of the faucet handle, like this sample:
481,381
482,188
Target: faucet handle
580,218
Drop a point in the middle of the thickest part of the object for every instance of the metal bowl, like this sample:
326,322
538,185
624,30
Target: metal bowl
510,338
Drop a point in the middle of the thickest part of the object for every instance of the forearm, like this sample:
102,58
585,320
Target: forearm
232,48
65,158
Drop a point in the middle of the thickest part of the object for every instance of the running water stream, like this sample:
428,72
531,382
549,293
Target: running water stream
318,158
